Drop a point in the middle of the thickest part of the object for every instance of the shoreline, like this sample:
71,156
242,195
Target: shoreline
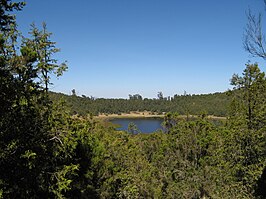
129,115
147,114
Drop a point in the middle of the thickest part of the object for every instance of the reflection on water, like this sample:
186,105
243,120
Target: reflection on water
149,125
144,125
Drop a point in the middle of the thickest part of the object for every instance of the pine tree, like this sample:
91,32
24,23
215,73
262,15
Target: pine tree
247,122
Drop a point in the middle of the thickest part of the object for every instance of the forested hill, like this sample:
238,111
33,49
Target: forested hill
47,153
212,104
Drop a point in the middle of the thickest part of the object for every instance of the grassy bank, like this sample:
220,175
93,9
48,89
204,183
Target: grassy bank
147,114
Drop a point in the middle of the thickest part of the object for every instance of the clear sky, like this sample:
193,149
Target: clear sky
120,47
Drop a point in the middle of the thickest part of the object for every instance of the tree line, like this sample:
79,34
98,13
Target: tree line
46,153
212,104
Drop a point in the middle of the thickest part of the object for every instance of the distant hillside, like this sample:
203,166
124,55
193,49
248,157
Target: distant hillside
213,104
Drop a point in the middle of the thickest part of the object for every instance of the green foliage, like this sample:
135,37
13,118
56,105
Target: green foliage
45,152
62,182
247,122
44,49
132,128
6,19
212,104
25,146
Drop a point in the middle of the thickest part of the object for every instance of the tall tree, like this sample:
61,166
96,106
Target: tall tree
254,38
45,48
160,95
247,120
26,147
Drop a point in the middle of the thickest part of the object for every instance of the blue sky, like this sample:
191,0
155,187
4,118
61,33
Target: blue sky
120,47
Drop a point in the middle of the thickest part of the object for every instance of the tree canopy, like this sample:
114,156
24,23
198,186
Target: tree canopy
45,152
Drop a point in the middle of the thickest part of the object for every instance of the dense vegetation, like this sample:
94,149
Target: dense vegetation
212,104
45,153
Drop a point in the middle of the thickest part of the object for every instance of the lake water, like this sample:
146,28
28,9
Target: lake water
144,125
